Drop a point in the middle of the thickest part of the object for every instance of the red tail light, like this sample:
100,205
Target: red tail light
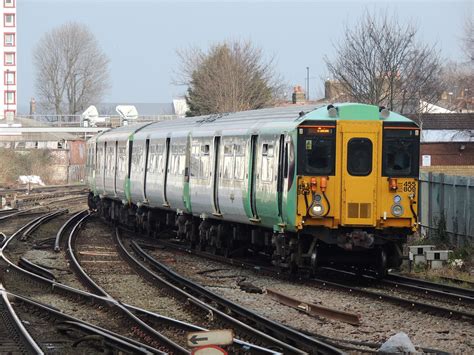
323,183
393,184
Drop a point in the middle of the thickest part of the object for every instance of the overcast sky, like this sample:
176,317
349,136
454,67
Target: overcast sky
141,37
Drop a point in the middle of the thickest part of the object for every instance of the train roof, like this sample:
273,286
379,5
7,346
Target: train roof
269,120
121,133
354,112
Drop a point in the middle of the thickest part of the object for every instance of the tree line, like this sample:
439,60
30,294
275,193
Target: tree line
379,61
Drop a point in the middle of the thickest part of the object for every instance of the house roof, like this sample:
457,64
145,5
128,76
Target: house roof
445,121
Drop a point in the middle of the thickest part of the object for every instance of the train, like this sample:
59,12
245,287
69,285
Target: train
307,186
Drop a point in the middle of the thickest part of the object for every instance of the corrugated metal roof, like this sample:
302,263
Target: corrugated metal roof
445,120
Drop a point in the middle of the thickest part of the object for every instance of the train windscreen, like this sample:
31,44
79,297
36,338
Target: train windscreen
316,150
401,149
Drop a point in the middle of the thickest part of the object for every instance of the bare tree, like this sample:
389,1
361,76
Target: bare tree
230,76
458,79
71,69
380,62
468,39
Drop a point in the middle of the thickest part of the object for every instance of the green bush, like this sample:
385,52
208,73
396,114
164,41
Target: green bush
30,162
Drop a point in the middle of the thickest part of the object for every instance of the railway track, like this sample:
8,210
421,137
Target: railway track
459,299
42,188
39,285
463,313
165,329
171,345
46,280
248,322
45,196
458,292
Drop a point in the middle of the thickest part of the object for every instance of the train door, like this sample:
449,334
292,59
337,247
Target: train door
166,171
115,167
252,177
266,184
282,167
215,177
359,174
104,166
145,171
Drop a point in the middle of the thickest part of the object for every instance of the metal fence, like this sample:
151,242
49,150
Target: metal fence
445,208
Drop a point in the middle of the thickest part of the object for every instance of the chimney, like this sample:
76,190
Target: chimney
298,96
32,106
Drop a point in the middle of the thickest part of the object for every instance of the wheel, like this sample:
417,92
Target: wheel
293,265
381,263
313,263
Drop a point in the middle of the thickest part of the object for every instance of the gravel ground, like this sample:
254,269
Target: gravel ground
379,320
118,278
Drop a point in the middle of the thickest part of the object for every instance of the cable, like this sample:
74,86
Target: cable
305,194
327,201
413,211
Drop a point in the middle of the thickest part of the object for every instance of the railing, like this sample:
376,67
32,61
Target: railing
77,121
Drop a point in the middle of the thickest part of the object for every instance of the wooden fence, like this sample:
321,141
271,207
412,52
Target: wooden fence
445,207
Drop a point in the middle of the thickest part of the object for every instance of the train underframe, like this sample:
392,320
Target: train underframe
361,249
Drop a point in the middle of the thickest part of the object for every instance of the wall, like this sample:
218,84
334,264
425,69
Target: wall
449,153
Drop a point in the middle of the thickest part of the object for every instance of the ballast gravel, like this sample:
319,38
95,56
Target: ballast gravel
379,320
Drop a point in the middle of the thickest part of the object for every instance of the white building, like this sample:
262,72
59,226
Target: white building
8,99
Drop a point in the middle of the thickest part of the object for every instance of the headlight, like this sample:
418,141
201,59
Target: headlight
317,209
397,210
317,198
397,199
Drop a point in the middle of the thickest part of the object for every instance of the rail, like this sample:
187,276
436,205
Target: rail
112,339
88,282
16,329
56,287
443,311
269,327
459,293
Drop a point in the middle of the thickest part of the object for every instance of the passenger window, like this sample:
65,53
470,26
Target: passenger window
359,156
151,159
228,149
239,168
285,161
267,163
195,161
205,166
228,167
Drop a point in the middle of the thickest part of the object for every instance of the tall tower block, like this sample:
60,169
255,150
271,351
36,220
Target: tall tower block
8,60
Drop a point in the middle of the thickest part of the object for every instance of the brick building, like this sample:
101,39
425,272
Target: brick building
447,143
